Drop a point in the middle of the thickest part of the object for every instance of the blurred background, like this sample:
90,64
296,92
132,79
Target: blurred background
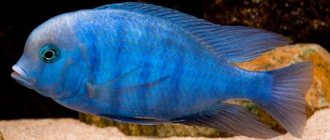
302,20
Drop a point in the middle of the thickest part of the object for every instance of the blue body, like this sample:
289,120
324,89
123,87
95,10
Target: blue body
146,64
186,78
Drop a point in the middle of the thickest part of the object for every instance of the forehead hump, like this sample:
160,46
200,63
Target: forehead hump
55,30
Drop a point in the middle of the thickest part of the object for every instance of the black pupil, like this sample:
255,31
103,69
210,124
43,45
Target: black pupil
49,54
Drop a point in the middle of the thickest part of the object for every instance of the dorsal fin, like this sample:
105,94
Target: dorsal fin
234,43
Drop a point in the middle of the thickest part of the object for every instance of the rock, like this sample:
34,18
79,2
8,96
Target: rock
1,137
163,130
317,97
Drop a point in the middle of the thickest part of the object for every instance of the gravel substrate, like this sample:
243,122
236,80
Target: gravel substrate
318,128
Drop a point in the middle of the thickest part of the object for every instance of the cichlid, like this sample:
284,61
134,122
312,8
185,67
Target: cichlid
146,64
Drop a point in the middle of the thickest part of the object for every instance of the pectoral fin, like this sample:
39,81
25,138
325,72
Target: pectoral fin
109,88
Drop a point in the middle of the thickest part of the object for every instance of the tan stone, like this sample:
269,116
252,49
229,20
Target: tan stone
318,96
1,137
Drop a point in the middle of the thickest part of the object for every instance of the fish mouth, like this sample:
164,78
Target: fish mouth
20,75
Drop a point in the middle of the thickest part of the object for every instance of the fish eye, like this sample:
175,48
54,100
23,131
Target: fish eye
49,53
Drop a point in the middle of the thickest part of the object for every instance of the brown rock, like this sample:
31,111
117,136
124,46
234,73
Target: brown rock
163,130
317,97
1,137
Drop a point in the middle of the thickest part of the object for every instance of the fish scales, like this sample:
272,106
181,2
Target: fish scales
138,51
146,64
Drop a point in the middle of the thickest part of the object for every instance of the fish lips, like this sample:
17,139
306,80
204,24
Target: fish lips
21,77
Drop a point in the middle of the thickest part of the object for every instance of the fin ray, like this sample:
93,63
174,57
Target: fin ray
233,43
232,119
287,103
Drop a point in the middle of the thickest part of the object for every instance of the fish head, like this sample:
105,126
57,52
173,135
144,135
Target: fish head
52,62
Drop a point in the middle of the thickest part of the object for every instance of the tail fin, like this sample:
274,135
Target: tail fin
287,103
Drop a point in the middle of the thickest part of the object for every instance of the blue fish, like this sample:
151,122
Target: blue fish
146,64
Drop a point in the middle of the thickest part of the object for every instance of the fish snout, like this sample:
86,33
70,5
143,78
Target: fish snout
21,76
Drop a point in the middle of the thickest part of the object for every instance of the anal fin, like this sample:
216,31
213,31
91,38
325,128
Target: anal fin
232,119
